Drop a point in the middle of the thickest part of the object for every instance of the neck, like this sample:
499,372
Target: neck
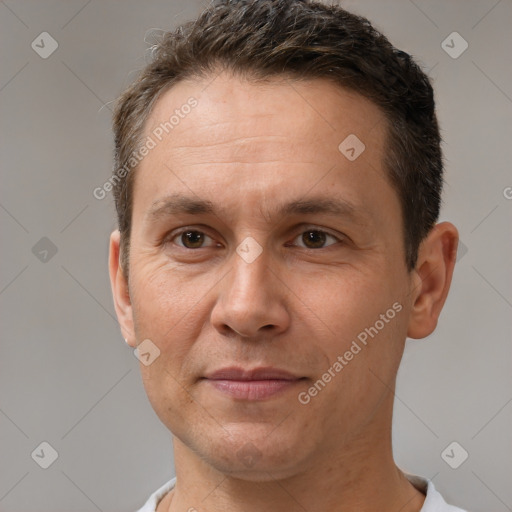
359,475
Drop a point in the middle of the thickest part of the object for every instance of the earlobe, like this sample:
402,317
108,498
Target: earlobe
432,278
120,291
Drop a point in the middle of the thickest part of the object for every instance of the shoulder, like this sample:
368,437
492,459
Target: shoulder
152,502
434,502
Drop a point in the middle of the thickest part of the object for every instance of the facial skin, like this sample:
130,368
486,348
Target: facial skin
248,149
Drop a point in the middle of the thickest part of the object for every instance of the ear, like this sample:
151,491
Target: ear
120,291
432,278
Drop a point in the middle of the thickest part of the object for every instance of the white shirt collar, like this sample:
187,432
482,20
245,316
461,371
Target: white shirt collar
434,502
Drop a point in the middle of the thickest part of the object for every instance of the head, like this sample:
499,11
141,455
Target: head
292,118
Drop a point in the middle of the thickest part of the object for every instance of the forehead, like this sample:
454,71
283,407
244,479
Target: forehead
261,141
306,110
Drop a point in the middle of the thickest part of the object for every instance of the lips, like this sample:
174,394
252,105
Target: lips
256,384
264,373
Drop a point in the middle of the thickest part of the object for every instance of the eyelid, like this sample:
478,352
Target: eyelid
313,227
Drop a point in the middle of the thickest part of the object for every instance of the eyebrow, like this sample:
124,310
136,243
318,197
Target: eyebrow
176,204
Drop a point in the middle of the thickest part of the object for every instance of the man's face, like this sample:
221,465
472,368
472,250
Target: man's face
211,301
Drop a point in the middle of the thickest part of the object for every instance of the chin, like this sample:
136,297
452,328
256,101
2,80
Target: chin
256,458
265,469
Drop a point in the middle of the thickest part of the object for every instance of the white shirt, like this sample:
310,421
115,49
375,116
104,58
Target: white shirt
434,502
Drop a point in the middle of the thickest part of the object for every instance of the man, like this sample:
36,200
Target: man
277,183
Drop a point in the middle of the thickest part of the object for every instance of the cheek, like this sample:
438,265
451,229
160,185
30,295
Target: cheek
367,322
353,387
371,329
344,302
165,312
161,298
166,394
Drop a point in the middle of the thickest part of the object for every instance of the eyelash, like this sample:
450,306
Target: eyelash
175,235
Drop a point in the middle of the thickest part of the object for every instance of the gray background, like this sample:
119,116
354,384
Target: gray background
66,375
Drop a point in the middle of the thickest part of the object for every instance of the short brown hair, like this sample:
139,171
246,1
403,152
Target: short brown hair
304,40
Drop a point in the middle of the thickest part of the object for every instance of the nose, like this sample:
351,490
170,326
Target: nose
252,299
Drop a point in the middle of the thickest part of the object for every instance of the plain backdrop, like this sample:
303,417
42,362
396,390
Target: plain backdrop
66,376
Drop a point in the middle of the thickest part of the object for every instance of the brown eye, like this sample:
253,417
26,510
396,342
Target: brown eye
190,239
316,238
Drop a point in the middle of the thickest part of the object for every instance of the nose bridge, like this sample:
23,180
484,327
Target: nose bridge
249,298
250,272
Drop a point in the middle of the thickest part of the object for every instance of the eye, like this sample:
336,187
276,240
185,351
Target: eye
194,239
316,238
190,238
